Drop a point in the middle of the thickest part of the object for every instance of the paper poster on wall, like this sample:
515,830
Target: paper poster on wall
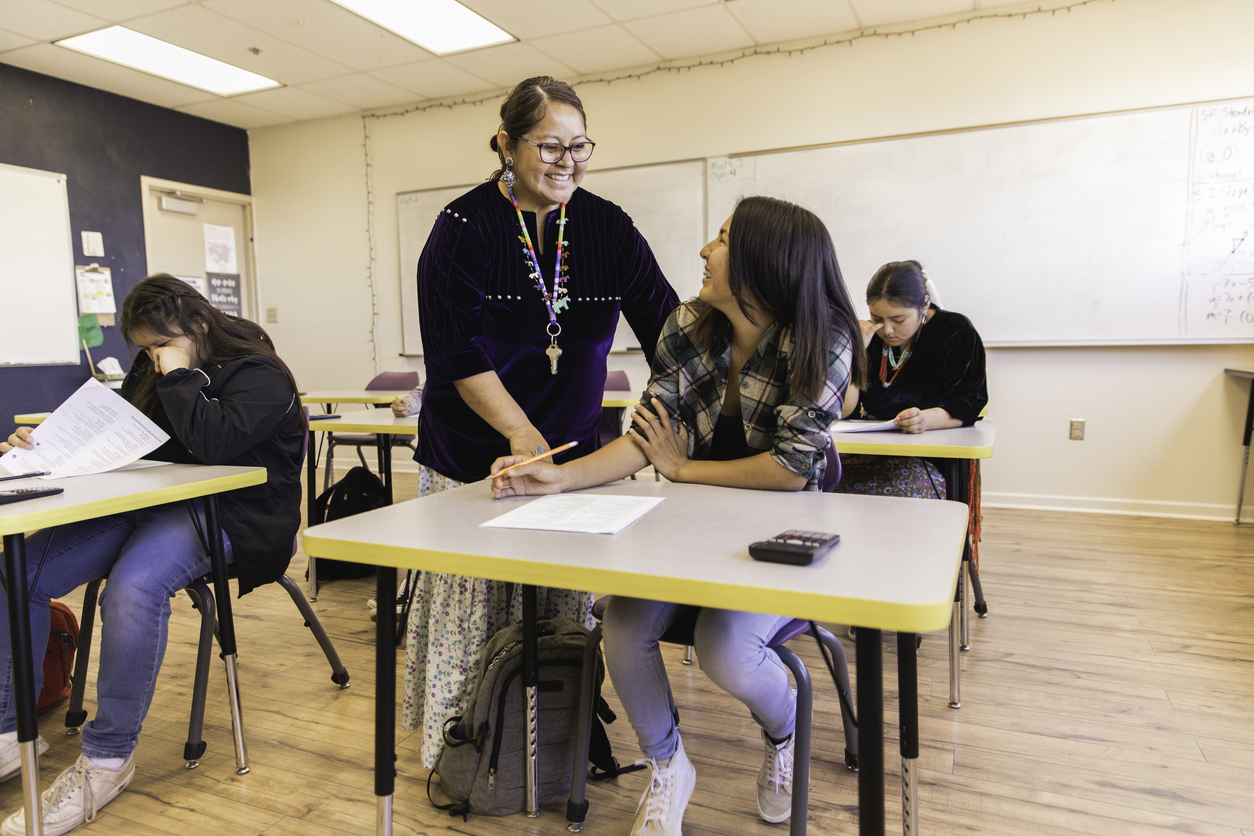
224,292
89,333
197,283
95,290
220,249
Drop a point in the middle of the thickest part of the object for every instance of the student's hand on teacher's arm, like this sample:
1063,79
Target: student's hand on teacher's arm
529,480
667,450
167,358
18,439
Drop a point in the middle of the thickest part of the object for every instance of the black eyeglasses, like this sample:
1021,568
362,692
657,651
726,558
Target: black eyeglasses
552,152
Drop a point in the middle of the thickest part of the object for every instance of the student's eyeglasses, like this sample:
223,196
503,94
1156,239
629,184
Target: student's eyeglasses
552,152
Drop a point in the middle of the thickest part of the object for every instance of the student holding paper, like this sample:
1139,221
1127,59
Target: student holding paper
930,376
746,381
215,385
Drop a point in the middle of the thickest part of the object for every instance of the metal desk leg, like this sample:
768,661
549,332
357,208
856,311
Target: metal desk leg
955,661
870,733
1245,462
531,693
908,715
964,592
577,804
311,494
23,679
385,702
226,630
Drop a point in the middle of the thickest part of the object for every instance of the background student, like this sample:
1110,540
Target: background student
746,381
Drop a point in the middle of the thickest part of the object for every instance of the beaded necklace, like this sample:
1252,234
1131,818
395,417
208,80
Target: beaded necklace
886,358
557,300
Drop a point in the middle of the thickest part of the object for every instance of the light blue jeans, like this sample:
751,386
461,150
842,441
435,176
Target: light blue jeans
148,557
731,647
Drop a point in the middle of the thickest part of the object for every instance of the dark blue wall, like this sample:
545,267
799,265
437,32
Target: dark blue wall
103,143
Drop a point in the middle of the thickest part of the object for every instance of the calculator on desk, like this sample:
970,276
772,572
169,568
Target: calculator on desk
799,548
19,494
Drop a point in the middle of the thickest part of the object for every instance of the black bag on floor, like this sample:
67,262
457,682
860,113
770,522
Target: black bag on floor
482,766
359,490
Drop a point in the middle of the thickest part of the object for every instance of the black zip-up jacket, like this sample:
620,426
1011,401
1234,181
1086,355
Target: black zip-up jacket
238,412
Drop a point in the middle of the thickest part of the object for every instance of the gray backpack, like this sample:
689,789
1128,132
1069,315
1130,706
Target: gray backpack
482,766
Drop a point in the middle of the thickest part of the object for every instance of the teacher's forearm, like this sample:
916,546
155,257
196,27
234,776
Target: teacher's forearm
486,395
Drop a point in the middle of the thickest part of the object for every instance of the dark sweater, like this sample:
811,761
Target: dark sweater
945,369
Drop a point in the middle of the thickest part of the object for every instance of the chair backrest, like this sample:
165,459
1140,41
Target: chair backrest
617,381
831,476
394,380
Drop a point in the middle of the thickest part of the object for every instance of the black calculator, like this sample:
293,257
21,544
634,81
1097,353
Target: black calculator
19,494
799,548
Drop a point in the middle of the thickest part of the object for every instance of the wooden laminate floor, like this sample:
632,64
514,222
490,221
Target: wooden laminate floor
1111,691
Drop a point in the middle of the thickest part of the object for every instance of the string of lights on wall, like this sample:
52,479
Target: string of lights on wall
672,67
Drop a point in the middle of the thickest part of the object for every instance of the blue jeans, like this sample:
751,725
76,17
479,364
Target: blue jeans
148,557
731,647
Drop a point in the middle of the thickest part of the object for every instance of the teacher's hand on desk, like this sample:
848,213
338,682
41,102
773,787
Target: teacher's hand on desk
18,439
533,479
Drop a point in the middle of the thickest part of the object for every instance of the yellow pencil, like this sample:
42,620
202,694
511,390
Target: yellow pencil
552,452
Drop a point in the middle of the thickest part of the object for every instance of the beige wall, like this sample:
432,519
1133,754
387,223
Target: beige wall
1163,422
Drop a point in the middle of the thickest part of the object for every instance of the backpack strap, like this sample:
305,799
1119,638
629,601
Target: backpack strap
600,755
454,808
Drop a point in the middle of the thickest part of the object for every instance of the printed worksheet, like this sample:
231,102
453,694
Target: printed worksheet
583,513
94,431
864,427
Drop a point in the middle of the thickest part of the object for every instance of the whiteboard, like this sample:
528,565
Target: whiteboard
37,268
666,202
1123,228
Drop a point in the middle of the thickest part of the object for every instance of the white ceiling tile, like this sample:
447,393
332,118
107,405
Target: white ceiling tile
772,21
296,103
537,18
435,79
883,12
325,29
118,11
69,65
597,50
209,33
231,112
44,20
508,64
12,40
361,91
704,31
632,9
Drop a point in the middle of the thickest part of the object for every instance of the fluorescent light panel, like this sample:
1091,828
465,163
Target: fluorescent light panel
439,26
140,52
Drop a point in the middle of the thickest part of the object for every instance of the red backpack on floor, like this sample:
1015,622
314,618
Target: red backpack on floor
59,658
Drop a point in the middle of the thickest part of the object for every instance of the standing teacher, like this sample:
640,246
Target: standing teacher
519,290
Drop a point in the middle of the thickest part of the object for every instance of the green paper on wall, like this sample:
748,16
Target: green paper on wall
89,331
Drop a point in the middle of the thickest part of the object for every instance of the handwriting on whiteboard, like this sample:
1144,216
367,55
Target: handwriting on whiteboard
1219,247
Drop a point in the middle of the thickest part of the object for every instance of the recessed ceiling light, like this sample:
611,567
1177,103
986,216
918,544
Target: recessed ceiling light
140,52
439,26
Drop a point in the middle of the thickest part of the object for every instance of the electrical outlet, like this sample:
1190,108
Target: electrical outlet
1077,429
272,314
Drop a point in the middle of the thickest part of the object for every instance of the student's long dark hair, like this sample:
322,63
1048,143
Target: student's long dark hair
901,283
527,104
164,305
783,263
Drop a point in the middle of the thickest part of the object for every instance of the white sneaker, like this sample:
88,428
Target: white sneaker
75,797
775,781
661,808
11,757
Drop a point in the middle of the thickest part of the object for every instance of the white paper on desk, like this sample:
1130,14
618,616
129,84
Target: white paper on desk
585,514
864,427
95,430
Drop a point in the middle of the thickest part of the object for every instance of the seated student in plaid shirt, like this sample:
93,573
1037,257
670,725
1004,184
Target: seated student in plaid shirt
774,315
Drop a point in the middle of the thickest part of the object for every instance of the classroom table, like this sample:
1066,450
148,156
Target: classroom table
30,419
330,397
1248,374
952,448
85,498
895,569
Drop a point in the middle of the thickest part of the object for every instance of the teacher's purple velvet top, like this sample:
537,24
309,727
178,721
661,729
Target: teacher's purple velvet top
479,312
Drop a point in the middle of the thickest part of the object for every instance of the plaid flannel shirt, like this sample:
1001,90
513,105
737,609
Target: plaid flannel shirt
690,382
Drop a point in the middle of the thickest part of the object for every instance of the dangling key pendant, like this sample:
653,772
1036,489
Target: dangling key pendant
554,352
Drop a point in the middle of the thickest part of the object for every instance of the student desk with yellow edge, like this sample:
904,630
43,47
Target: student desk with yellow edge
85,498
894,569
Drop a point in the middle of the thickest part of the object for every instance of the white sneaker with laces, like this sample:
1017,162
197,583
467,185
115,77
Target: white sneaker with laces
661,808
775,781
75,797
11,757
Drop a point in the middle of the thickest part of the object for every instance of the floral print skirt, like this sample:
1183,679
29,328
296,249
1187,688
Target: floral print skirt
452,618
891,476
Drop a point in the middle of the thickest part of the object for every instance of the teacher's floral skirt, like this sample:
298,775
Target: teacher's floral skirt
452,618
890,476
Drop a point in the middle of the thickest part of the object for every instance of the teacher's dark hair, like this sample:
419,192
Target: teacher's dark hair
900,283
164,305
783,263
527,104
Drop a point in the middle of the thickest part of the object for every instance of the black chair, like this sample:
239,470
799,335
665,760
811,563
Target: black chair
387,381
